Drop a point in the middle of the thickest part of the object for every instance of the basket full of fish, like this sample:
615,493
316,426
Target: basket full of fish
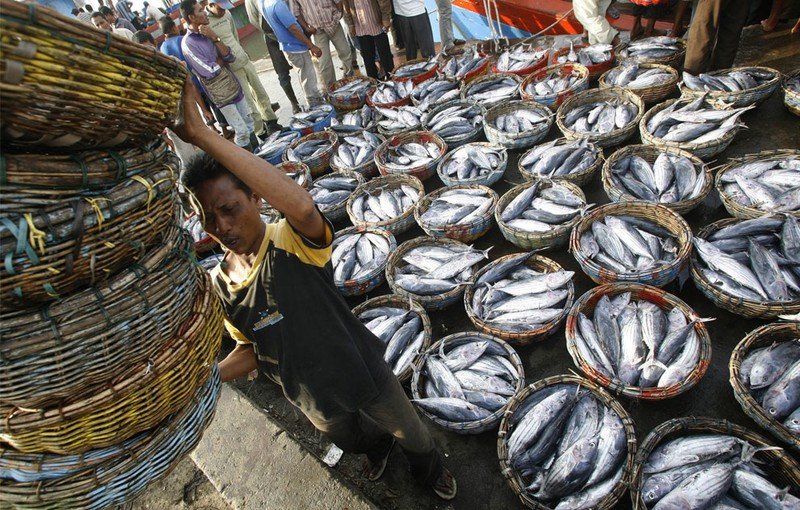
399,120
402,325
356,152
651,82
638,341
416,153
737,87
315,150
273,146
457,122
492,89
750,267
391,94
575,161
656,50
633,242
597,58
313,120
707,463
464,381
763,183
539,214
330,192
521,60
416,71
520,298
474,163
298,172
433,272
694,126
439,89
517,124
359,258
386,202
467,66
671,177
354,121
765,372
552,85
791,92
566,444
606,117
350,93
463,212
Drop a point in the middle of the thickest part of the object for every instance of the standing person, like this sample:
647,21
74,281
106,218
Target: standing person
288,318
124,9
713,37
322,19
415,26
114,19
295,45
279,62
82,15
261,107
592,15
102,23
207,58
445,10
368,21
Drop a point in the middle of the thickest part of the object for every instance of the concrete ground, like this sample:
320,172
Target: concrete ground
473,459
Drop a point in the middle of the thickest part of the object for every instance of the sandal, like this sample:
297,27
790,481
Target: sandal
374,470
445,487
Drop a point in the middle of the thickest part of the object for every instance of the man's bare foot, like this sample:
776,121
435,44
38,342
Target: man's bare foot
769,24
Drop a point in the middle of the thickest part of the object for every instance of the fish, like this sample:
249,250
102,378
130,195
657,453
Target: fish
652,48
474,161
299,177
434,91
519,58
355,150
389,92
332,190
400,119
435,268
771,184
628,245
276,144
793,84
409,70
631,75
737,80
560,158
399,329
771,376
363,118
461,65
358,255
593,54
669,179
457,207
492,89
452,121
356,87
601,117
409,155
539,211
554,82
694,122
521,120
310,117
304,150
386,203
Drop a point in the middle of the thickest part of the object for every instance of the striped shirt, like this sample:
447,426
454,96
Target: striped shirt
124,10
366,18
320,14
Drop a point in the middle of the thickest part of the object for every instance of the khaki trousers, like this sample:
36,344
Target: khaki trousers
256,96
713,37
325,70
308,75
592,15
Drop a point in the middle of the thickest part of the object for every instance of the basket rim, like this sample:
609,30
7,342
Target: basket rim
721,94
599,160
391,180
509,195
360,179
597,95
495,111
583,79
363,229
649,139
501,169
424,203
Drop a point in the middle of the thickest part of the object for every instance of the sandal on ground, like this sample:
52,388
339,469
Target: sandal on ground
373,470
445,487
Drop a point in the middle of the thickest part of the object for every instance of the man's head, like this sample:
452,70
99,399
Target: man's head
193,13
75,12
229,208
101,22
88,8
144,37
108,13
168,26
215,9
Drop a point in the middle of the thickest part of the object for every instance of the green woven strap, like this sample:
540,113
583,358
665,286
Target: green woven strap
84,169
99,301
122,167
3,170
23,246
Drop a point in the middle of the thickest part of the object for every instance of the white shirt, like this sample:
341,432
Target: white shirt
409,8
124,32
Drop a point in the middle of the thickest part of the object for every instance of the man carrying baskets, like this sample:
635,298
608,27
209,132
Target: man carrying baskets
287,316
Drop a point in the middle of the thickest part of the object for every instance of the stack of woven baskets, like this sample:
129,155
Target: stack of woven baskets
109,328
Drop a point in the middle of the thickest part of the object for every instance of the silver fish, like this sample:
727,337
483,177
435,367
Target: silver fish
531,212
384,204
310,117
601,116
474,161
432,269
456,208
554,82
400,119
467,62
409,70
389,92
276,144
435,90
670,179
728,81
521,120
454,120
519,58
492,90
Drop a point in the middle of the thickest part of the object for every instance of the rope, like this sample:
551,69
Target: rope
36,237
151,192
93,202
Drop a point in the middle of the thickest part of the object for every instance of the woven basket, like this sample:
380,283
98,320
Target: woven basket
674,61
520,338
476,73
388,133
521,140
513,478
355,101
135,400
403,101
396,225
553,101
367,169
339,211
361,286
320,163
291,167
734,304
464,232
395,301
579,179
69,85
431,303
453,142
615,136
78,352
654,93
782,470
419,77
705,150
421,172
665,301
739,98
791,99
733,207
113,475
762,337
595,70
54,249
657,214
417,102
529,240
445,345
525,71
489,77
486,180
649,153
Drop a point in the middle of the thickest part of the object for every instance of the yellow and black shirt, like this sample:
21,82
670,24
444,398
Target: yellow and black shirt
304,334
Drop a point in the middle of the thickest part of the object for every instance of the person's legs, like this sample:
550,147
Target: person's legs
701,36
282,68
308,76
367,45
592,15
731,22
255,112
424,35
262,98
409,38
238,123
771,22
384,52
324,64
346,55
445,9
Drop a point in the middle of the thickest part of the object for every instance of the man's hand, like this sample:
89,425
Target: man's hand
189,125
311,30
353,31
208,32
315,51
387,25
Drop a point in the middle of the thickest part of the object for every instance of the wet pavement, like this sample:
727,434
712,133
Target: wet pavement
473,459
